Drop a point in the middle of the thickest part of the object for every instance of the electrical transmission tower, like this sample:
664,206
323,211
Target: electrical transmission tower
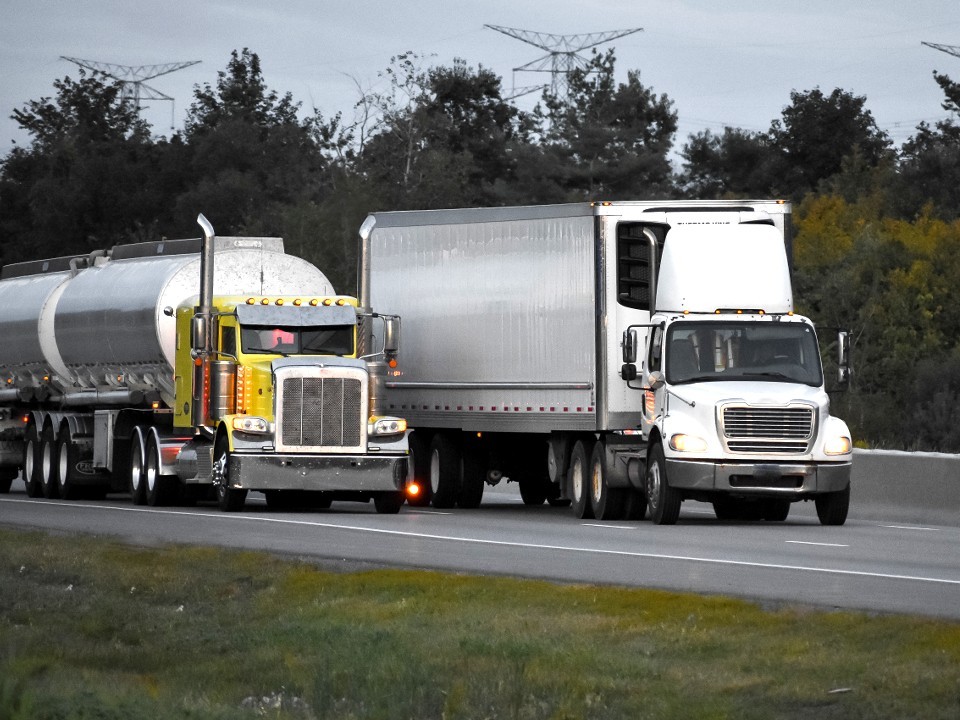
133,77
949,49
561,57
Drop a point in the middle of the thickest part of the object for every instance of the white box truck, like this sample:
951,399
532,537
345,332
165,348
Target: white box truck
616,356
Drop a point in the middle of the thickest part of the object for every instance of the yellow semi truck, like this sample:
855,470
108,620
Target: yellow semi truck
119,377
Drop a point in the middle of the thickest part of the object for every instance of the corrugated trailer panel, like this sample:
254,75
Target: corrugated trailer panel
499,318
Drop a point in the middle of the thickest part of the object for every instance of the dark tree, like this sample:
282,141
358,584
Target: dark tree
738,163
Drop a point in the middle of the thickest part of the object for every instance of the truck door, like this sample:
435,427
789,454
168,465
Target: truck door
653,400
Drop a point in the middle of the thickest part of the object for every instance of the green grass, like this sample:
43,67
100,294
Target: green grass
93,629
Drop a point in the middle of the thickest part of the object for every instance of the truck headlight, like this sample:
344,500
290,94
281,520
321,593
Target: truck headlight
688,443
251,424
386,426
840,445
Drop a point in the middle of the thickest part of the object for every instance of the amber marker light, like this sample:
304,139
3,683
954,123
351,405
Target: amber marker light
265,301
251,301
314,302
298,302
327,302
413,490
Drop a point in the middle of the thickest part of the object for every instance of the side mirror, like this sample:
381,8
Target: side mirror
844,360
655,380
628,372
630,347
391,335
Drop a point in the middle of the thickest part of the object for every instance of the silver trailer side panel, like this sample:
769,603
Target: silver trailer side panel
499,316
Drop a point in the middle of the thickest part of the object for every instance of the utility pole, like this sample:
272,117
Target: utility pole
561,57
133,78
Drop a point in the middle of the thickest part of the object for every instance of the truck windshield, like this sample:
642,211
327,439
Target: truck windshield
720,351
325,340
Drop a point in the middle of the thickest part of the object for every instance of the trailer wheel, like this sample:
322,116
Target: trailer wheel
418,469
7,476
832,507
65,466
31,462
578,479
388,503
228,499
664,500
607,503
48,447
138,482
474,477
445,471
160,489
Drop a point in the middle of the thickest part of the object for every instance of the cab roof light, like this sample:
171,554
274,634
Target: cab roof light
314,302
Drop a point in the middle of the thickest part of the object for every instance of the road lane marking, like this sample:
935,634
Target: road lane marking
499,543
804,542
911,527
614,527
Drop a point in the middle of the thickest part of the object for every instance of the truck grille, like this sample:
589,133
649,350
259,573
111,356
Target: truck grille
321,414
768,429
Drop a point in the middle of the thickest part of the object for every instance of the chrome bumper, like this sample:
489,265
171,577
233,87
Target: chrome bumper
327,473
759,478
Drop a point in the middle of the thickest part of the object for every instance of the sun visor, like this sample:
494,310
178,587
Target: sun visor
293,316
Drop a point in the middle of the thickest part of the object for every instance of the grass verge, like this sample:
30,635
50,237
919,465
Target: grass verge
93,629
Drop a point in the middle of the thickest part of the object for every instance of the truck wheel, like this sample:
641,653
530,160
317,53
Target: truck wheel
388,503
776,510
832,507
445,471
160,489
138,482
31,462
726,508
228,499
474,477
533,491
578,479
664,500
418,469
7,476
48,448
607,503
65,466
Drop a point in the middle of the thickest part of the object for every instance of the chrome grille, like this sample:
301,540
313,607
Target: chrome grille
768,429
321,412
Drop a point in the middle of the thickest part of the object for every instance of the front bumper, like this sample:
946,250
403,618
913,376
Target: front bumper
783,479
326,473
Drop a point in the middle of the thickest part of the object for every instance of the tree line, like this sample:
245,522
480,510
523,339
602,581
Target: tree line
877,227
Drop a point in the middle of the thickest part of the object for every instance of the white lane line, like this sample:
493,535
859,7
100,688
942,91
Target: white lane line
804,542
504,543
911,527
613,527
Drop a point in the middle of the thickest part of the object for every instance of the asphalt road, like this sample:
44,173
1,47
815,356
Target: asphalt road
879,566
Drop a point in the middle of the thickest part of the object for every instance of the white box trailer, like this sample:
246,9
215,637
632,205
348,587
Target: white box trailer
522,327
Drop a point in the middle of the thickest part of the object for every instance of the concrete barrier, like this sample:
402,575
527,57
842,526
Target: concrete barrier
906,487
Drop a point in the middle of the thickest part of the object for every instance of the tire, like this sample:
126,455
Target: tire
47,463
832,507
607,503
776,510
533,492
228,499
726,508
474,477
418,469
388,503
283,499
137,469
31,462
578,479
7,476
635,507
67,456
446,469
160,489
664,501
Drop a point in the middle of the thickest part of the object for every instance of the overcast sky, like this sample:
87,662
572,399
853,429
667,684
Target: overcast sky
723,63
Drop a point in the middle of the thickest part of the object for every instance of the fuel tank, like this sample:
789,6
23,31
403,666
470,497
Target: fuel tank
106,321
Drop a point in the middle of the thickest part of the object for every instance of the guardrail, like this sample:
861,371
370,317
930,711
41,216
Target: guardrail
908,487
